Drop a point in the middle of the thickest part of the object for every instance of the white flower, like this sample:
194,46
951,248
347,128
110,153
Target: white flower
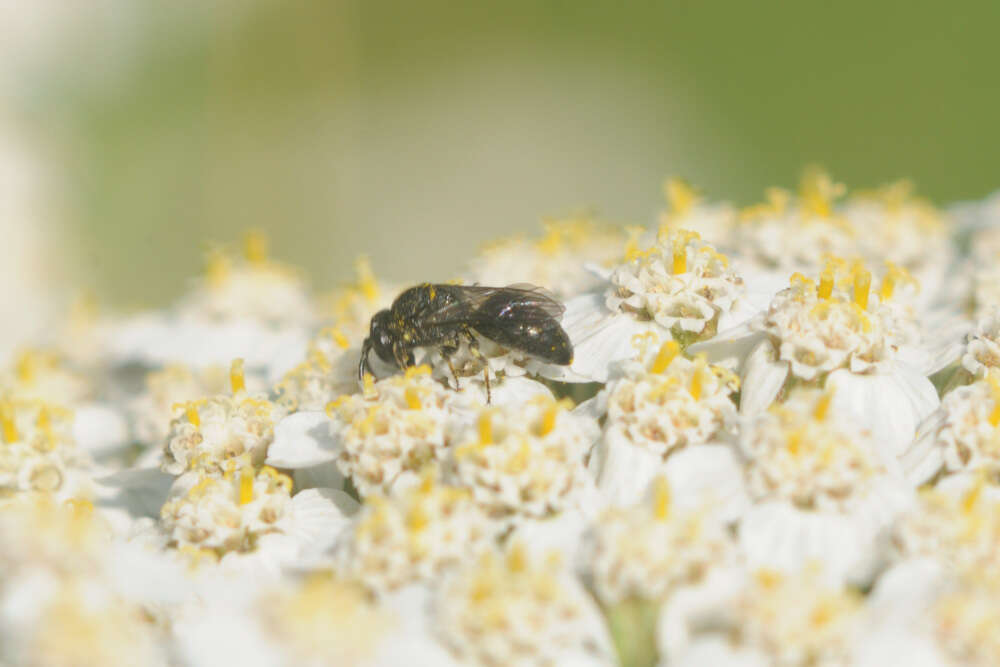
982,347
662,404
242,510
330,370
687,210
386,436
836,333
38,452
41,375
523,460
513,609
555,261
822,489
956,525
412,536
960,436
645,551
680,287
764,618
788,234
210,431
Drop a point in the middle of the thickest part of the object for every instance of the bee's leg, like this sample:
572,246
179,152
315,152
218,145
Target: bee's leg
404,358
474,350
448,349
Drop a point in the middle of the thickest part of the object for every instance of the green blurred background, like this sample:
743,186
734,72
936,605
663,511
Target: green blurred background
414,131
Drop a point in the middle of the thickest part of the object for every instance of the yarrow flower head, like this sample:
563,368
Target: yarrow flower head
681,283
515,609
208,432
797,620
795,453
964,616
665,401
166,388
958,527
413,535
327,372
249,287
555,261
42,375
687,210
835,323
647,550
324,620
38,452
523,460
229,511
795,234
982,347
393,429
963,435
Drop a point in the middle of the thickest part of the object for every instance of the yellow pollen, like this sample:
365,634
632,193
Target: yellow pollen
44,422
862,283
368,388
417,371
26,367
246,485
418,519
823,406
191,410
486,428
632,244
236,378
680,255
10,434
519,462
971,499
332,406
255,247
668,352
412,398
769,579
661,498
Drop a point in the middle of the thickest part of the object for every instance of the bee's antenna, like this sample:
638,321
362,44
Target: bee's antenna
363,366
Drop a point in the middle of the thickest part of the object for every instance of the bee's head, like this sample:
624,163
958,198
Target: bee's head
381,337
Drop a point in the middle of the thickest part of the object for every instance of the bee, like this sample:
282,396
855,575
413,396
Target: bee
518,317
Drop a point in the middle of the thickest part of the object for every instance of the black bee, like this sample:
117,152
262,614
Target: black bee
518,317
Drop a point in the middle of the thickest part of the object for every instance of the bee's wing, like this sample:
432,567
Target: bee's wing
527,301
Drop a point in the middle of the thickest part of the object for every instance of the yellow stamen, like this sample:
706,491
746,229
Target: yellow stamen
971,499
826,280
668,352
823,405
549,419
862,283
680,254
417,371
696,377
340,339
246,485
366,278
191,410
517,559
236,378
217,267
894,275
641,341
680,195
7,424
26,367
632,244
794,443
255,247
486,427
995,390
661,498
412,398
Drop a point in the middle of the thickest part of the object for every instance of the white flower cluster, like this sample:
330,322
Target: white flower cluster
776,444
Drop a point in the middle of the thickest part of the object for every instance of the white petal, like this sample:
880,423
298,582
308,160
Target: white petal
707,476
923,458
301,440
138,492
99,429
318,516
763,378
324,475
891,405
622,470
